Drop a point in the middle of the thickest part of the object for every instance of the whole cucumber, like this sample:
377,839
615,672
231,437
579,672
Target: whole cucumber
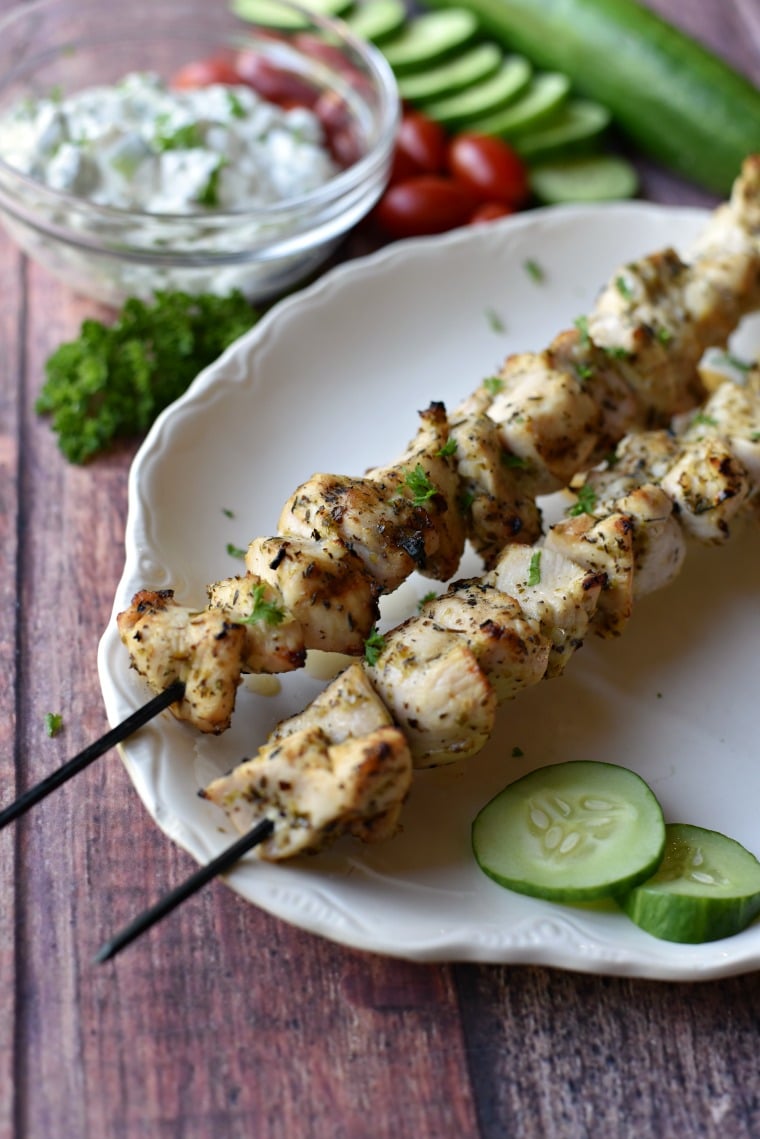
679,103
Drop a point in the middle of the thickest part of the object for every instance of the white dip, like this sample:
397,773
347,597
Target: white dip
140,145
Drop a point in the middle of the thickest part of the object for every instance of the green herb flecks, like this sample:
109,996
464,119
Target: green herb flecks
702,419
493,385
585,502
584,372
186,137
664,335
495,322
113,380
235,551
448,448
237,110
624,288
581,324
373,646
514,461
227,512
53,723
419,484
209,195
430,596
534,270
263,611
755,437
534,569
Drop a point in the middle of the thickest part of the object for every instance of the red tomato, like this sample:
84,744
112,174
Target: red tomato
274,83
489,167
426,204
420,144
490,211
203,72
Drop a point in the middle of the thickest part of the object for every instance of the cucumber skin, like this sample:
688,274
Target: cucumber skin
679,103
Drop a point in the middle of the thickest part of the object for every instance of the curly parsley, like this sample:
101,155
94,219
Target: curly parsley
373,646
420,485
113,380
585,501
265,611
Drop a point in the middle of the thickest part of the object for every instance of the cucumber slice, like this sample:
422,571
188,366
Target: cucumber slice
707,887
483,98
377,20
447,78
595,178
430,38
571,832
577,123
274,16
545,94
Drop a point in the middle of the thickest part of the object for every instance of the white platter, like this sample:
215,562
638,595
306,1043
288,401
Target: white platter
331,380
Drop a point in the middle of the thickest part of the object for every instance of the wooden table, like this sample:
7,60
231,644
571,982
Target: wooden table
225,1023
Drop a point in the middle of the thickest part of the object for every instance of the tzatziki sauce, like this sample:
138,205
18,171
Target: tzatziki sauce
140,145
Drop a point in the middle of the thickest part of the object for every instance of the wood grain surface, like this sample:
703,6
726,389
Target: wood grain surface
223,1022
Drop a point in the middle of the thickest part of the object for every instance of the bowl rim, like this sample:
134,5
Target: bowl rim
342,183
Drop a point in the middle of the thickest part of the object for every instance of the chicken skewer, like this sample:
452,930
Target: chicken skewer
343,541
431,695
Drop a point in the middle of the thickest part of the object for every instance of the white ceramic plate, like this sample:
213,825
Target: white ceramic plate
332,380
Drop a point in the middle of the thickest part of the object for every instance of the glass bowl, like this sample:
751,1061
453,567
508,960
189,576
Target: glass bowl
111,253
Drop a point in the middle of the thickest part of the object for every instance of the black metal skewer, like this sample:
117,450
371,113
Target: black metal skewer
92,752
191,885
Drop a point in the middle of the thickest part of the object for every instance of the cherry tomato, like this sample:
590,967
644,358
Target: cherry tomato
279,86
426,204
490,211
204,72
420,145
489,167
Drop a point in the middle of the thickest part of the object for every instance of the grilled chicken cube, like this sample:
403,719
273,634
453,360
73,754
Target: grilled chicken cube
640,458
495,493
546,419
273,637
659,545
554,591
733,413
324,587
709,486
349,706
315,791
507,645
437,693
603,546
168,642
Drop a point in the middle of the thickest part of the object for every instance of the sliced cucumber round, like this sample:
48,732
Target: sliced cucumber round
541,99
577,123
429,38
274,15
376,20
470,66
707,887
594,178
483,98
571,832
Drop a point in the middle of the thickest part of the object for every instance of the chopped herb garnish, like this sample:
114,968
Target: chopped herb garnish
534,270
618,353
430,596
584,372
534,570
236,107
624,288
493,385
420,485
517,752
187,137
494,320
737,362
227,512
701,419
373,646
209,195
448,448
585,501
466,500
755,437
510,460
581,323
235,551
53,723
262,610
112,381
664,335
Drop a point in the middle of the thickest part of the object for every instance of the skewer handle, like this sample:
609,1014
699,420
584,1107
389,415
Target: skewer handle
92,752
191,885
